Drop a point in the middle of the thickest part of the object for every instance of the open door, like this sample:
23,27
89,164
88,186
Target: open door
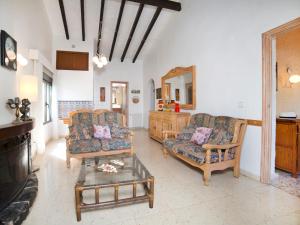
119,97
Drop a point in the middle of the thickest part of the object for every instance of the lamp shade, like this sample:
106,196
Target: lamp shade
29,87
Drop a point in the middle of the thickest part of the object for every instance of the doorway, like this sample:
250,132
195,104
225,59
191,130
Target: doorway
269,99
119,97
152,95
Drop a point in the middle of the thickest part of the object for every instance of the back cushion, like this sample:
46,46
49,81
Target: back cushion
202,120
223,130
80,132
113,118
83,118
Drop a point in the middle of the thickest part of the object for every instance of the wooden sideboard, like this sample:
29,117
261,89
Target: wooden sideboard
288,145
161,121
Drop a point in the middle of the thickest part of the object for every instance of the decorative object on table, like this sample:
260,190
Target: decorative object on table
135,99
24,109
158,93
177,107
160,105
8,51
135,91
15,104
105,167
177,94
102,94
117,162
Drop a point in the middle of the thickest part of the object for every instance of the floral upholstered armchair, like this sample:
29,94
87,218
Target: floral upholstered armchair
81,142
221,150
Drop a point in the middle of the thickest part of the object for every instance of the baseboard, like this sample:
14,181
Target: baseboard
250,175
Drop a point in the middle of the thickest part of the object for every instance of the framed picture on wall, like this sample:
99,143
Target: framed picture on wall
102,94
8,51
158,93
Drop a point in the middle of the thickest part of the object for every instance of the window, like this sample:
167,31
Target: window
47,91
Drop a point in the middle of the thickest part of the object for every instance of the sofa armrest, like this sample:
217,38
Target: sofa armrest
166,133
225,146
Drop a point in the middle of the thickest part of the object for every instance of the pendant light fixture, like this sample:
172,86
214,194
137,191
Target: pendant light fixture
100,59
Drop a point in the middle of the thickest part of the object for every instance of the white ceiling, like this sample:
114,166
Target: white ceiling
111,11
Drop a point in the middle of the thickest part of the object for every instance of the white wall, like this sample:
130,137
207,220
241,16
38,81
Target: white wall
223,40
118,71
74,85
27,23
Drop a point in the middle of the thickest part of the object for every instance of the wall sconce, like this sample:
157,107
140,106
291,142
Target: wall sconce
22,60
294,78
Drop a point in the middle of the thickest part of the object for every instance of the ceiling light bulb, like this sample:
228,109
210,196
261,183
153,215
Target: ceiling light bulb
103,60
96,59
100,64
295,78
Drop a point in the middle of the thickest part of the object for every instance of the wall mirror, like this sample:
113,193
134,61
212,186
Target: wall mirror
179,85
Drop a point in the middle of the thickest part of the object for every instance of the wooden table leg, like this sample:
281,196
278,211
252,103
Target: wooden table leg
78,200
151,192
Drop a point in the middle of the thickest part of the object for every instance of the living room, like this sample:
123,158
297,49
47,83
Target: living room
140,45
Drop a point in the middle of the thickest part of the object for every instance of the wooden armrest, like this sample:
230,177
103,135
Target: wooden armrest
226,146
131,133
166,133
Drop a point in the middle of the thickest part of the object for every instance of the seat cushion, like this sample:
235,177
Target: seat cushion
119,131
84,146
115,144
195,152
170,142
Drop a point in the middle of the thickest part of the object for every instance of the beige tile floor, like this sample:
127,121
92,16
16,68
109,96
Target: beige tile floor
180,196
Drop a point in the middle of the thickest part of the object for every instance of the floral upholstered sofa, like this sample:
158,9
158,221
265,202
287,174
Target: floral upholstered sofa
81,142
222,149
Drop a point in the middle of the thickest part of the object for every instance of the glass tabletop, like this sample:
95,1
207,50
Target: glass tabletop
124,169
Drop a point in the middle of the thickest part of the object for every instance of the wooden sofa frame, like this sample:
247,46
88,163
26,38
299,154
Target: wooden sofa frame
70,155
208,167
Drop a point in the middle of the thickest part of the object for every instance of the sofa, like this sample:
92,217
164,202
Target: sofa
221,151
81,142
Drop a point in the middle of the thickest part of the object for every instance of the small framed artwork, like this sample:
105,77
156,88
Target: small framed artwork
102,94
177,94
158,93
8,47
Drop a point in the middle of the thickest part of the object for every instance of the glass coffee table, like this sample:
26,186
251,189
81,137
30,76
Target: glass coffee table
112,181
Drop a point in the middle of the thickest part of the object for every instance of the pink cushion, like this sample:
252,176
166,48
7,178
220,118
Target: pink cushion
102,132
201,135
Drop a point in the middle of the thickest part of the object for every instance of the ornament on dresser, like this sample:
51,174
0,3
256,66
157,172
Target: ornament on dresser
24,109
20,106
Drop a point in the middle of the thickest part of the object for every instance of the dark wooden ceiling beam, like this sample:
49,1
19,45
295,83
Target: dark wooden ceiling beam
63,15
161,4
153,20
117,29
136,20
82,19
100,25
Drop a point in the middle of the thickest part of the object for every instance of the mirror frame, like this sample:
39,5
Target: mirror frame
176,72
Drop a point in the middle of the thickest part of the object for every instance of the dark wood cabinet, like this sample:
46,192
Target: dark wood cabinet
66,60
288,145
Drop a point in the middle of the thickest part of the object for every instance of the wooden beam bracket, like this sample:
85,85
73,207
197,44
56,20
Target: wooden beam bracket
117,29
63,15
154,18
